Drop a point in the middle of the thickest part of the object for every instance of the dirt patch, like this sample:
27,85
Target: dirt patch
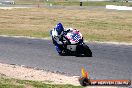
20,72
23,73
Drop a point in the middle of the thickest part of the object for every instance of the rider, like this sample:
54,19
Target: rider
57,36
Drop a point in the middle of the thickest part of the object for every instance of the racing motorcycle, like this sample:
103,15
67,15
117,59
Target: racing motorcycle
73,44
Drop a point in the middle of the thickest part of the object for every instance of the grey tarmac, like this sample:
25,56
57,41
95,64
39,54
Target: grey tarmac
109,61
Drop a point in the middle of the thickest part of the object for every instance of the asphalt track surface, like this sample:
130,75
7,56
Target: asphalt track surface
56,7
109,61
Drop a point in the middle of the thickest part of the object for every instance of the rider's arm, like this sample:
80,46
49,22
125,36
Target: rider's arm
56,37
68,29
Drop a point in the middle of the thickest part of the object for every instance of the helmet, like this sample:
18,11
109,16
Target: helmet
59,28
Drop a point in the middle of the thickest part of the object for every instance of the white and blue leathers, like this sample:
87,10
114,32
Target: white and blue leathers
58,38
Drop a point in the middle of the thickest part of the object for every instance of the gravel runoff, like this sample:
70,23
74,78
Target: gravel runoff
24,73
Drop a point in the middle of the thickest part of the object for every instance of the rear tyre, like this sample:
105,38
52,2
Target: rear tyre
87,51
78,51
83,50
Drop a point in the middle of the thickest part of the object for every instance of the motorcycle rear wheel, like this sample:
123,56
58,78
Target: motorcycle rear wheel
83,49
87,51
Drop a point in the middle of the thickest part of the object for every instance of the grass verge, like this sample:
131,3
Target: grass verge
15,83
29,2
89,3
95,25
71,2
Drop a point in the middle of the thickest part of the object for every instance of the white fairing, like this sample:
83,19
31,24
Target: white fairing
72,42
69,37
71,47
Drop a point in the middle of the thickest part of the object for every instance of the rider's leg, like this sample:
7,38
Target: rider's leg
58,49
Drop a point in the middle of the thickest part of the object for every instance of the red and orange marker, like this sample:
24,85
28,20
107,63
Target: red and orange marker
86,81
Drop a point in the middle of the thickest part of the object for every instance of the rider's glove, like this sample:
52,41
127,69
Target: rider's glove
65,32
64,42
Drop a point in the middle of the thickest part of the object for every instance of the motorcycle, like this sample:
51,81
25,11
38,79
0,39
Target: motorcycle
73,44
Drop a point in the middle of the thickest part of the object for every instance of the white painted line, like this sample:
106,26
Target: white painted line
49,38
118,7
9,8
115,43
28,37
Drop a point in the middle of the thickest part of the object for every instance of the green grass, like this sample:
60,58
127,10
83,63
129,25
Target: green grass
95,25
29,2
89,3
15,83
30,33
71,2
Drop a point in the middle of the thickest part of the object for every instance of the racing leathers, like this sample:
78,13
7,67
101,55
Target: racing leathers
58,39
